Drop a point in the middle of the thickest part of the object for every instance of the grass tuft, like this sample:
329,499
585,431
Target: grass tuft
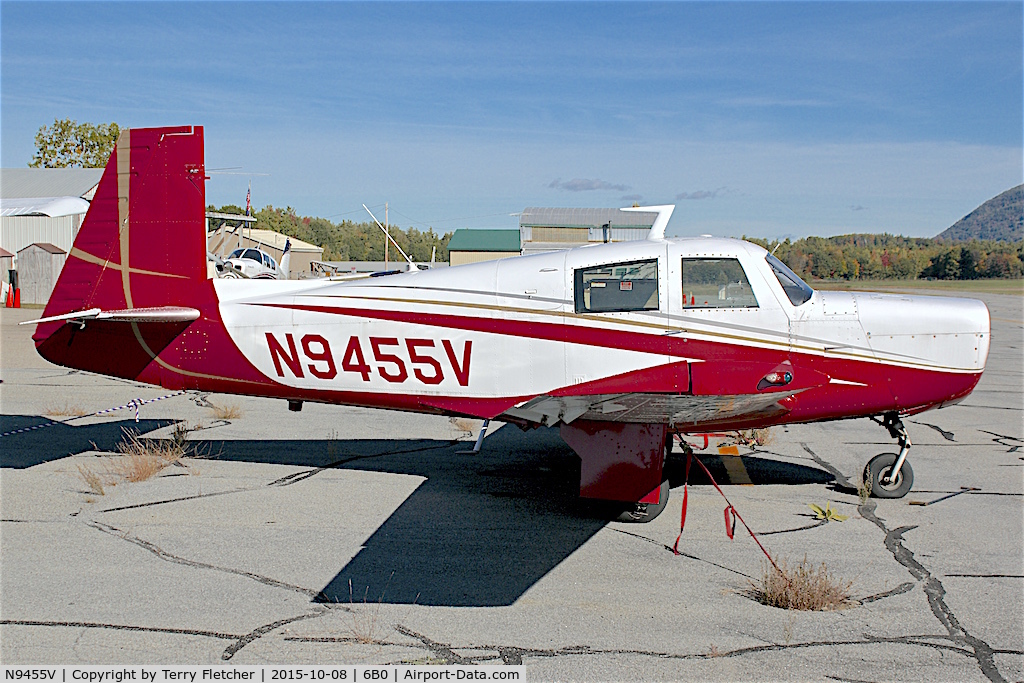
93,481
464,424
801,587
226,412
366,627
65,410
142,458
863,491
755,437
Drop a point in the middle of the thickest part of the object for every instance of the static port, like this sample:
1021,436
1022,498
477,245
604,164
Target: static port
294,406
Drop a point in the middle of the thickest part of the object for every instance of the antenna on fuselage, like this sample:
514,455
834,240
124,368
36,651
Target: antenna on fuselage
412,266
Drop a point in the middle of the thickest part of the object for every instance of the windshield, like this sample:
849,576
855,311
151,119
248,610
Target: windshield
796,289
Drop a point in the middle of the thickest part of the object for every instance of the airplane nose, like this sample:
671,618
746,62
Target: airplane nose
937,346
944,333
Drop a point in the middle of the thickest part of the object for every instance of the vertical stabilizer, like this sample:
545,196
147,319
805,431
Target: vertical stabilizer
143,241
141,254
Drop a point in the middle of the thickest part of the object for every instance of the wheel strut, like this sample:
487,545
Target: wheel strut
894,424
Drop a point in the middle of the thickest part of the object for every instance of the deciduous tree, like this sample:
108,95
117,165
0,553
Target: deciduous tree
69,143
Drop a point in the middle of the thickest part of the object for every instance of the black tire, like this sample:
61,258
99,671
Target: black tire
877,470
641,513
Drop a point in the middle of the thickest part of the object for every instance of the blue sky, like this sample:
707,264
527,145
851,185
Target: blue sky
765,119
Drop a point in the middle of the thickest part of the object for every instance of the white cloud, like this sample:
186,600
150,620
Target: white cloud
701,194
585,185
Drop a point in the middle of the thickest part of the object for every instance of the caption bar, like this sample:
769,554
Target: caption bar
390,673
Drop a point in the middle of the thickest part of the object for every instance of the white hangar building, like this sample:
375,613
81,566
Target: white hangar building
44,205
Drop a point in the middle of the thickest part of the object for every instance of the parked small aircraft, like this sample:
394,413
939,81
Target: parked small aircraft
257,264
620,345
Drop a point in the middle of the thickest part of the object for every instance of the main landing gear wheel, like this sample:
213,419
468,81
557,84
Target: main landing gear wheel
877,472
641,513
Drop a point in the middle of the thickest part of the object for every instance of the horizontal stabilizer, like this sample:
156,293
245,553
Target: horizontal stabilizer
156,314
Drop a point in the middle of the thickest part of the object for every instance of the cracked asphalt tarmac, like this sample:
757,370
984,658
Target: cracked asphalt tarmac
360,536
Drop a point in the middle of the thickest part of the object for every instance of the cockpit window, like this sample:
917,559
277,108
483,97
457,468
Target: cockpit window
618,287
716,283
237,253
798,291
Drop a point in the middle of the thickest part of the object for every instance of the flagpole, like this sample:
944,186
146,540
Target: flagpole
248,208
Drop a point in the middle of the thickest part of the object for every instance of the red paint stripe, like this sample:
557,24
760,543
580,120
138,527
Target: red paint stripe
919,388
589,336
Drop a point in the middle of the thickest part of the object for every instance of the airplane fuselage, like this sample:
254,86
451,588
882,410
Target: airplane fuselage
507,338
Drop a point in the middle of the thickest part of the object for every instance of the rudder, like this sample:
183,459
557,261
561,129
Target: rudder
141,251
143,241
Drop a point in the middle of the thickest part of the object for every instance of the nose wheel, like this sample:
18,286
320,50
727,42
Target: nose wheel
889,475
878,475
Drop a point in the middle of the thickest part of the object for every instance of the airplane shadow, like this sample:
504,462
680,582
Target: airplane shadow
31,448
760,471
481,529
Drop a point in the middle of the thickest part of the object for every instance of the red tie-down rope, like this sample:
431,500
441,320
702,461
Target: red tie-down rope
731,514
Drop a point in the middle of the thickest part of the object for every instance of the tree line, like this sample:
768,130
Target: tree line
893,257
348,240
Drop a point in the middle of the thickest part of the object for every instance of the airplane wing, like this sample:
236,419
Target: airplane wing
678,410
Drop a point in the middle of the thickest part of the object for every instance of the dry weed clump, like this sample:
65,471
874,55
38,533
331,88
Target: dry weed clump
137,459
863,491
65,410
755,437
802,587
93,482
366,627
142,458
226,412
464,424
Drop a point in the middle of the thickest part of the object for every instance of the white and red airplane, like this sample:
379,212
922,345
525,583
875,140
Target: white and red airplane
619,344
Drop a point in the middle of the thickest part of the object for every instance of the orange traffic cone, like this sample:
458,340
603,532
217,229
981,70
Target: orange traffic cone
17,297
10,298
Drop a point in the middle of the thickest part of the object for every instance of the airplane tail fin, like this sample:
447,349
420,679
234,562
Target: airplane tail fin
143,241
139,259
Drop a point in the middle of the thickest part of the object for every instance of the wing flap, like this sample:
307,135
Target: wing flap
678,410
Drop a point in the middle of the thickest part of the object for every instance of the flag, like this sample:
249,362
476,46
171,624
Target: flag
248,205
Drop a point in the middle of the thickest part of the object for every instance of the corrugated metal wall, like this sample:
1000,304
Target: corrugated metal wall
17,232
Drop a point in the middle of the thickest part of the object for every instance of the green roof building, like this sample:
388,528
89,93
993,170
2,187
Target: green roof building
471,246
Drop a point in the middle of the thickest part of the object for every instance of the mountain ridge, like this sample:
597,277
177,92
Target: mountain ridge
1000,218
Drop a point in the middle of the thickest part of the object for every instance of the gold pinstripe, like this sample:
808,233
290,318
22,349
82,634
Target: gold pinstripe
104,263
668,328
